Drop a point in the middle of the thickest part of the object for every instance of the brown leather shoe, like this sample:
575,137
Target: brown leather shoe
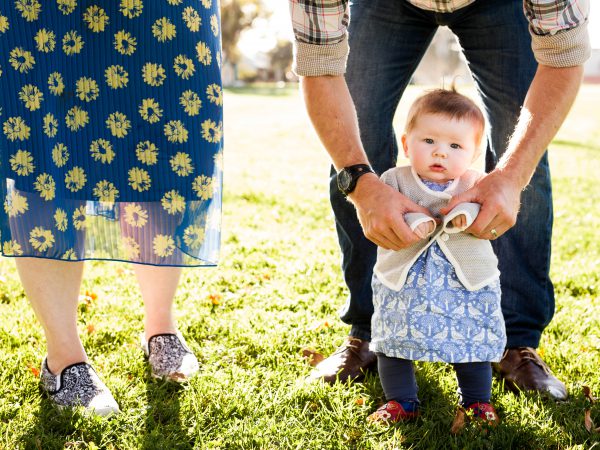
524,370
350,361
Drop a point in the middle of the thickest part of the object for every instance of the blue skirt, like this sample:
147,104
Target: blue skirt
112,130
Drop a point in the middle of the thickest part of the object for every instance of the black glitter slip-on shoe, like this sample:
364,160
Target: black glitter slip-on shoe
170,358
78,385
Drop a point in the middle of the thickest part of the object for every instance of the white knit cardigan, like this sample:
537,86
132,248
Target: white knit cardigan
473,259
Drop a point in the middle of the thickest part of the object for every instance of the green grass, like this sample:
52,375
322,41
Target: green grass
280,288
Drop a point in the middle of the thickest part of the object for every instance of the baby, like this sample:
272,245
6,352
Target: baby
439,299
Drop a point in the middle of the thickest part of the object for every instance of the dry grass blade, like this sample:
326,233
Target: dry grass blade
459,421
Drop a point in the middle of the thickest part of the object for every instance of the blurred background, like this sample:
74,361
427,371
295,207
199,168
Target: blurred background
257,47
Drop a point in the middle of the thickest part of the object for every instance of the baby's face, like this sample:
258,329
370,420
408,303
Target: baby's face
440,149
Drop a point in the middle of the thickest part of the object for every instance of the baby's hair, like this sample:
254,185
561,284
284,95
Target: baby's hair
449,103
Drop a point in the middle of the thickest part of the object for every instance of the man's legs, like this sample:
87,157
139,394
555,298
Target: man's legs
387,40
495,39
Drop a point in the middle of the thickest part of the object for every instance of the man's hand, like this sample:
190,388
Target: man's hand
381,210
499,197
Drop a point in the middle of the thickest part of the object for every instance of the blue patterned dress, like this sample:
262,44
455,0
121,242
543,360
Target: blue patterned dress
434,317
112,132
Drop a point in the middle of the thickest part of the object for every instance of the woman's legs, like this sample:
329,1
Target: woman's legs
158,286
52,288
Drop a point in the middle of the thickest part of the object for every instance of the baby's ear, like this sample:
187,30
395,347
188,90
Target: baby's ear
405,144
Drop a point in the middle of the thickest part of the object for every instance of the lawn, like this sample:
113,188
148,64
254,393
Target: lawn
275,294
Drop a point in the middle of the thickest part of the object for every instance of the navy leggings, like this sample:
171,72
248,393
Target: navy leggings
398,380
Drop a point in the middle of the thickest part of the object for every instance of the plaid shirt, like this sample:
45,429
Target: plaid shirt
558,29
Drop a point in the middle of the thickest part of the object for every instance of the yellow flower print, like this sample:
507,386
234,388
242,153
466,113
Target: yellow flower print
211,131
102,151
50,125
150,110
125,43
164,30
118,124
69,255
131,8
135,215
163,245
15,204
214,24
174,2
181,163
75,179
31,96
22,163
29,9
44,184
203,53
191,102
204,187
79,218
192,19
96,18
72,43
45,40
60,154
66,6
16,128
22,60
176,132
4,24
61,221
147,153
173,202
184,67
131,248
105,191
219,59
12,248
207,3
56,85
215,94
116,76
193,236
139,180
41,239
76,118
154,74
87,89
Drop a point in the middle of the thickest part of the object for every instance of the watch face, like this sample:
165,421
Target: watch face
343,180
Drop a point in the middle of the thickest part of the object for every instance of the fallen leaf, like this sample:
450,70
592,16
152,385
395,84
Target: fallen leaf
34,370
90,328
459,421
313,357
321,326
588,394
359,401
589,424
215,299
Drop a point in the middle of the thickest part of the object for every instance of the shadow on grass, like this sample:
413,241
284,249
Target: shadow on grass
163,425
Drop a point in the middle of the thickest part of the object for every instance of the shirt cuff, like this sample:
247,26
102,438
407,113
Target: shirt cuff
314,60
566,48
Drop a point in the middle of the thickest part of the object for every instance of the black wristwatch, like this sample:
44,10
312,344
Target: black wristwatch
348,176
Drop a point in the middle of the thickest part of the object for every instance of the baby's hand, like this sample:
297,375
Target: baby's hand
459,222
424,229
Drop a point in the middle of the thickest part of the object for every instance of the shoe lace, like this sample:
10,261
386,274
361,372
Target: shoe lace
529,354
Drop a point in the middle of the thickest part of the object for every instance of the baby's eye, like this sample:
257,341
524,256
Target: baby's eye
428,140
455,146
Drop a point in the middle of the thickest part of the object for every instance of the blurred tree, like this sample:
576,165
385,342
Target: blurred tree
236,16
281,57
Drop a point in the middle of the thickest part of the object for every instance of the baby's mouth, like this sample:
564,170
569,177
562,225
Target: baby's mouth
437,167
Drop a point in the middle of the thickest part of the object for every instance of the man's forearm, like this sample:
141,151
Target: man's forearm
548,101
333,115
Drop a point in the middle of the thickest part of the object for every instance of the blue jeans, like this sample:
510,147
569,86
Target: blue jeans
387,40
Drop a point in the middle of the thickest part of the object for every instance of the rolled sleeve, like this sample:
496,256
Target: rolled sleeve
566,48
313,60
